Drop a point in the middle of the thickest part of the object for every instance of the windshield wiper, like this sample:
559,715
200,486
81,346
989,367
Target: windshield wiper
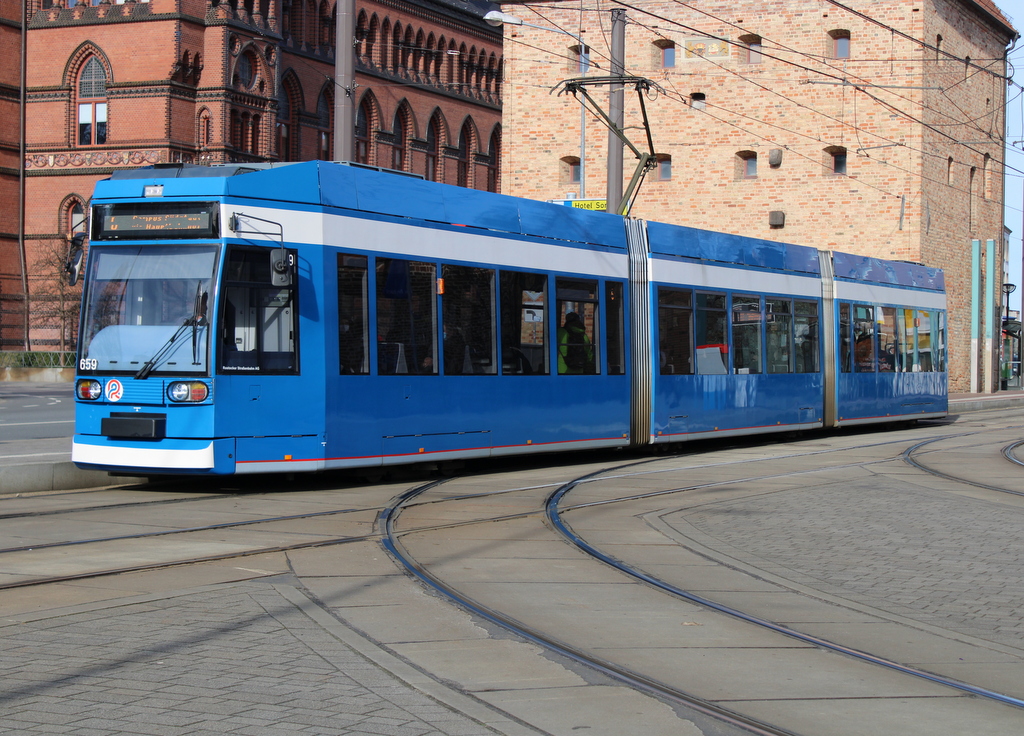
197,320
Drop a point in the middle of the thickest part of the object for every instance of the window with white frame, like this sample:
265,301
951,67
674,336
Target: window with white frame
92,104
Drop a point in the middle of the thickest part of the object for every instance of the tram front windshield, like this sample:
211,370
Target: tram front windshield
148,304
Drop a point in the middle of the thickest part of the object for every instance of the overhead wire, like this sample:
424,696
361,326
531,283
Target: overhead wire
844,79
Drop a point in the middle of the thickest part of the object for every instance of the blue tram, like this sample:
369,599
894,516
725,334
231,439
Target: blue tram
308,316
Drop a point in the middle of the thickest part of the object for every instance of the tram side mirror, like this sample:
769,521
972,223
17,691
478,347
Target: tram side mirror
75,259
282,263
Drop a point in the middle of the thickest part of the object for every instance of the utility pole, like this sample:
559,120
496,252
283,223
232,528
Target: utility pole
345,82
22,152
615,110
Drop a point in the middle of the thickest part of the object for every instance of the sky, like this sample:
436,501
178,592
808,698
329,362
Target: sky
1014,212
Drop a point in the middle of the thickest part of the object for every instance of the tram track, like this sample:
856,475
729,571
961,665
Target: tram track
249,523
392,539
558,496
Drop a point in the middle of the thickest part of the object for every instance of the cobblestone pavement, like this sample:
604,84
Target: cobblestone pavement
237,659
936,558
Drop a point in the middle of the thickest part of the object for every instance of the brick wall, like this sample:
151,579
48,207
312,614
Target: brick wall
897,110
189,81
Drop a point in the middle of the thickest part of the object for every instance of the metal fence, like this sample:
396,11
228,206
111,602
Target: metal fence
34,359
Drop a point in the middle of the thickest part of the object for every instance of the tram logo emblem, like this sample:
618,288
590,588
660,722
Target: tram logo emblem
114,390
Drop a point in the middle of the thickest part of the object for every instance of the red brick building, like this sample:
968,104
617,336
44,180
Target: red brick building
867,126
10,136
128,83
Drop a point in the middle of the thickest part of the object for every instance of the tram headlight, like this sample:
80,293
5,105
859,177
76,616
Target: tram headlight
188,391
88,389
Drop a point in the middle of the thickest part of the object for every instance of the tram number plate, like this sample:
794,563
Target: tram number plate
88,364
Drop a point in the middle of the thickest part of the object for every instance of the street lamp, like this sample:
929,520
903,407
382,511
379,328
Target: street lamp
1007,290
496,18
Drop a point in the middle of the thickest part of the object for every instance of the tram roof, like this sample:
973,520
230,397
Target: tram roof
357,188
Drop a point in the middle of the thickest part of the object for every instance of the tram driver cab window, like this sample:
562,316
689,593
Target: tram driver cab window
258,328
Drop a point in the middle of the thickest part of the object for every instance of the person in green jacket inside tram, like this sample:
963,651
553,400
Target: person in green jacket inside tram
575,350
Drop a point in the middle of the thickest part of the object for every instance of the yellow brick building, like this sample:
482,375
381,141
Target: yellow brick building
868,127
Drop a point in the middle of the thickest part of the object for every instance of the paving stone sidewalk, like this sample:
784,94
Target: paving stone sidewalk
234,659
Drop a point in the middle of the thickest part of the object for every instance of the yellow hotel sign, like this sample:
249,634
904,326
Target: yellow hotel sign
589,204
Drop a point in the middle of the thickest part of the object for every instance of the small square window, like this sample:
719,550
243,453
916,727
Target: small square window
698,101
668,57
746,167
574,173
839,163
842,48
664,169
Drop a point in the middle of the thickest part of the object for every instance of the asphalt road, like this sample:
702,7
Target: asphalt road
36,421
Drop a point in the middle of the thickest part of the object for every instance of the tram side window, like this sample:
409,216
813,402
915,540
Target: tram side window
940,342
746,333
923,325
864,338
906,327
576,310
711,335
779,335
406,317
805,337
259,330
523,323
888,341
615,309
845,339
353,315
468,320
675,332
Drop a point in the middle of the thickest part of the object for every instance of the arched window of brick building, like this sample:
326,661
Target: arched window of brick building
462,61
325,124
473,71
431,170
72,217
418,55
494,160
396,48
385,45
438,61
492,68
370,44
92,104
452,55
255,139
971,198
986,177
362,32
204,129
327,20
400,132
362,134
429,56
408,44
463,178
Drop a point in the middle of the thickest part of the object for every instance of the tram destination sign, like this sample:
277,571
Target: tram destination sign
154,220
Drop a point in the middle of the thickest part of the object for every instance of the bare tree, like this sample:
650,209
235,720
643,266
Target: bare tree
54,305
